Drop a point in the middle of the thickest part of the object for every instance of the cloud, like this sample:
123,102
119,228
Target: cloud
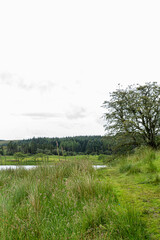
7,78
47,85
42,115
21,84
15,80
76,113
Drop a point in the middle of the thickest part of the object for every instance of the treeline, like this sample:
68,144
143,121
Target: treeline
61,146
70,146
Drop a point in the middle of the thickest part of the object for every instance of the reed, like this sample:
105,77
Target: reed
65,201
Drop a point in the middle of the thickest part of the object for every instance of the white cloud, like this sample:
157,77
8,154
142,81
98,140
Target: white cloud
41,115
14,80
76,113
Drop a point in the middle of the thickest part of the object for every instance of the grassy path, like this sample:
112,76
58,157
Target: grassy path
144,197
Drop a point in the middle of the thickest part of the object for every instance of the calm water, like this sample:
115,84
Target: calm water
99,166
4,167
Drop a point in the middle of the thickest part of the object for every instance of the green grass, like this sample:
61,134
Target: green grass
136,180
69,200
50,159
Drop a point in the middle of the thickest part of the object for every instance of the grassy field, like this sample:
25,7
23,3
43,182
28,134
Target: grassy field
49,159
69,200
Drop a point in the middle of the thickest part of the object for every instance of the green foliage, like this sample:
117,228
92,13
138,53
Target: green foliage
143,158
152,168
130,168
148,156
57,146
107,159
146,153
71,146
12,147
136,112
102,157
125,167
134,169
19,156
156,179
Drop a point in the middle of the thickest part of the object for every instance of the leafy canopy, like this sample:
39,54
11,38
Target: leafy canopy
135,111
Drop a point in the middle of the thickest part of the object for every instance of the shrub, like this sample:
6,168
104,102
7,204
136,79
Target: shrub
152,168
156,180
130,168
125,168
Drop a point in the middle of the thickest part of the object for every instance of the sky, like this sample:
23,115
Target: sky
59,60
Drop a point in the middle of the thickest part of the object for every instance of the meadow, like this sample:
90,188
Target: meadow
39,159
69,199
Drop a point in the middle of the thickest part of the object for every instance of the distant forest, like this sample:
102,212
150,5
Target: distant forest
69,146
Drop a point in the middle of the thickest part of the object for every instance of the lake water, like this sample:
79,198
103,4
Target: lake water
99,166
4,167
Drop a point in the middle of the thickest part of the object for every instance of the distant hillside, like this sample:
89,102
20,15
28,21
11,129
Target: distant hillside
5,142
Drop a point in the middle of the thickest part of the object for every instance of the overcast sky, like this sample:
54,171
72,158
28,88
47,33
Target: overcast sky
60,59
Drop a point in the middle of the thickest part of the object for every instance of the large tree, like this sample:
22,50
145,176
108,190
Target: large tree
136,112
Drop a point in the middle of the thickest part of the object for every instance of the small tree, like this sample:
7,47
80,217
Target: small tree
135,111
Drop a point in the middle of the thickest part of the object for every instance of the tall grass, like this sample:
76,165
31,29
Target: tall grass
141,161
66,201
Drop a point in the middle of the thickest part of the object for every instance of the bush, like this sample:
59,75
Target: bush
130,168
152,168
156,180
144,153
134,169
125,168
